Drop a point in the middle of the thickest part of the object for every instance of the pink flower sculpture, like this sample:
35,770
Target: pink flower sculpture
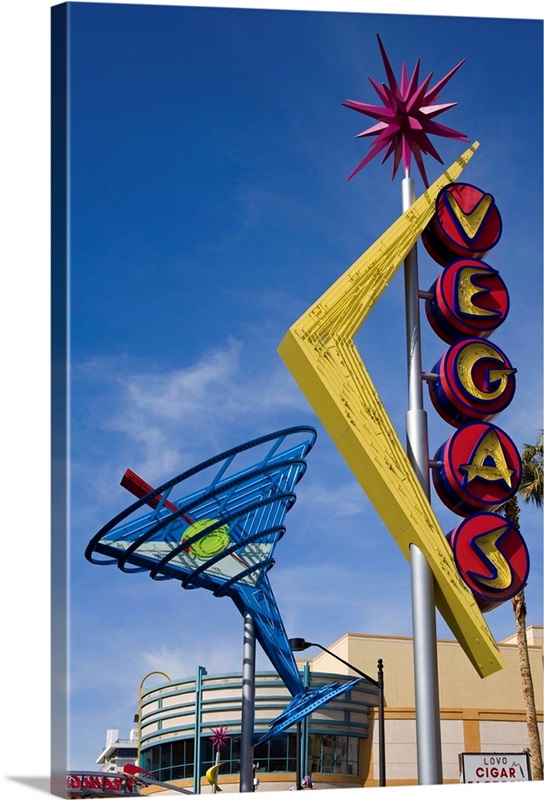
219,738
406,119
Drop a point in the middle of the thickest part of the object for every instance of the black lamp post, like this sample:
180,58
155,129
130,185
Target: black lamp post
301,644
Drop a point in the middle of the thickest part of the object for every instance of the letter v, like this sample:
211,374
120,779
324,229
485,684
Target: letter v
470,221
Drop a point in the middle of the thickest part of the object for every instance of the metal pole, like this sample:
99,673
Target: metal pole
381,722
214,785
248,706
429,757
299,756
305,767
197,763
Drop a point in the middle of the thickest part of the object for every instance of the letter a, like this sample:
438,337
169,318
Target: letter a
489,462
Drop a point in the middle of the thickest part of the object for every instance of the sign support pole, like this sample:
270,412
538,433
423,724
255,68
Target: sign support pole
248,706
429,756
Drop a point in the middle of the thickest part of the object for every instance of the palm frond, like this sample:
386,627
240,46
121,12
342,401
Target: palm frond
531,486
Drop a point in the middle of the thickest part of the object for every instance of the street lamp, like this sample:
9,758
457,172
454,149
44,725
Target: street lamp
139,715
298,645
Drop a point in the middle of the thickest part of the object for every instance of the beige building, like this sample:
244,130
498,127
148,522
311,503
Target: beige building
477,715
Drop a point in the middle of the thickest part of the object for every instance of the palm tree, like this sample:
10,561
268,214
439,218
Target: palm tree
530,491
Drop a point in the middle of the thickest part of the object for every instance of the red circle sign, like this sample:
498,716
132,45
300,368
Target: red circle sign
491,556
479,469
475,380
469,299
466,223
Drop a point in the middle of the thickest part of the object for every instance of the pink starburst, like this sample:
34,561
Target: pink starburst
406,119
219,738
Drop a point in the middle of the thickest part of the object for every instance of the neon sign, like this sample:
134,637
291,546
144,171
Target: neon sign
100,784
466,223
492,558
469,298
478,468
474,380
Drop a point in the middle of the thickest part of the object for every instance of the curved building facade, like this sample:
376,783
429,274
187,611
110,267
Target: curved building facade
178,718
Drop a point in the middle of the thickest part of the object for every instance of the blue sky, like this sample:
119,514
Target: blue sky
209,209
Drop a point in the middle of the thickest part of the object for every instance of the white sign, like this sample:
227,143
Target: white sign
495,767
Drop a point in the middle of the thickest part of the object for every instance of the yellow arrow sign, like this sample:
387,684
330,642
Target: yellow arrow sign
320,353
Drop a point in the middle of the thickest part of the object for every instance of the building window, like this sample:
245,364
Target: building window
277,755
170,762
335,755
127,752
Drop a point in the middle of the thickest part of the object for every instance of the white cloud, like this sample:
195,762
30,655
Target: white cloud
334,500
172,419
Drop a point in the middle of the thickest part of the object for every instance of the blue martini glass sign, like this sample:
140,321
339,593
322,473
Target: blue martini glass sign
221,536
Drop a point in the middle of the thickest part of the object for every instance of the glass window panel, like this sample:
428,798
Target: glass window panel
178,753
235,748
165,762
146,756
329,744
264,757
292,745
127,752
164,756
278,747
207,750
314,753
260,753
340,755
353,749
314,745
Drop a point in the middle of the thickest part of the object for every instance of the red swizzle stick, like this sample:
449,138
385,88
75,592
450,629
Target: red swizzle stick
140,488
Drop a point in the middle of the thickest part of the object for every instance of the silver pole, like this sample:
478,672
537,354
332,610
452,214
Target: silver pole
429,755
214,785
248,706
201,671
